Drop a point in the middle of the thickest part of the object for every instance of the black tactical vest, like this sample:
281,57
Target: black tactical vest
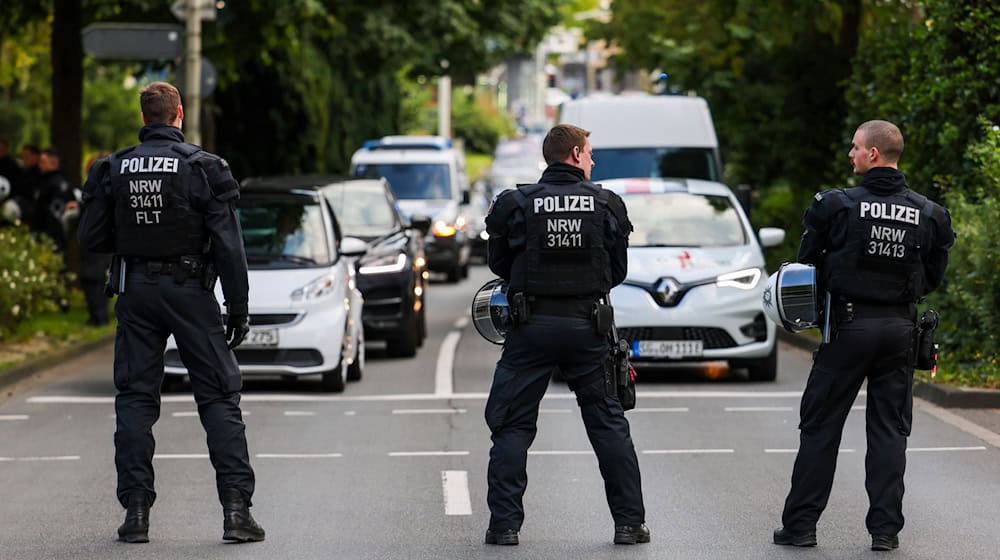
151,187
881,259
564,252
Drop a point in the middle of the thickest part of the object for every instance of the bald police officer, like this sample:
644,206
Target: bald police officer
167,209
561,245
878,248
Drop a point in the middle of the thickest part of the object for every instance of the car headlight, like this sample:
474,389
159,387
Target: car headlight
384,264
315,289
443,229
743,279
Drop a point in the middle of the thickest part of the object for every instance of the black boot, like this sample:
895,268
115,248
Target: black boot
785,537
503,537
631,534
136,526
238,524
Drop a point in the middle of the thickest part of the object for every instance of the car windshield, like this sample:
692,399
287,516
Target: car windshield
362,212
689,163
283,231
410,180
683,220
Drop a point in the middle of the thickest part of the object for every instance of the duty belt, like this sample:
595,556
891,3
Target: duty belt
561,307
848,310
158,266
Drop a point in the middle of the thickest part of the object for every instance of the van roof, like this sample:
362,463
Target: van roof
635,121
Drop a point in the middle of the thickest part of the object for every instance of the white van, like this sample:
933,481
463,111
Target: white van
427,175
639,135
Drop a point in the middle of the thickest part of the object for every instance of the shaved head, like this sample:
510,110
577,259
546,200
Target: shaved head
885,136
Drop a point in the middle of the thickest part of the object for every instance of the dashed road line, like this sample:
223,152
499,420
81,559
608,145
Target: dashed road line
461,323
685,451
455,486
662,409
299,455
796,451
429,411
13,417
41,459
444,383
299,413
924,449
427,453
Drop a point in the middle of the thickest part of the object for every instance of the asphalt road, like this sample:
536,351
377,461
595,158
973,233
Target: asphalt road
395,467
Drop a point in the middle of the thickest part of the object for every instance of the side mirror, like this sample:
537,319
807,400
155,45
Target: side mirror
420,223
353,247
771,236
466,197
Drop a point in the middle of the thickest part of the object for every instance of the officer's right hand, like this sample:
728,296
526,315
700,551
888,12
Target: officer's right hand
237,328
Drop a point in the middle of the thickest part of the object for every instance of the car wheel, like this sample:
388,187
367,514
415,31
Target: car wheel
354,370
764,369
422,327
335,380
404,345
455,274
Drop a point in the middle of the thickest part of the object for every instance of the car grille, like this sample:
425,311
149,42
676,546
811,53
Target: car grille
262,319
712,337
262,357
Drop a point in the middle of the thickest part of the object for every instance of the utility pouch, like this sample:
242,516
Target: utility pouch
186,268
621,374
926,350
603,317
116,277
209,276
519,308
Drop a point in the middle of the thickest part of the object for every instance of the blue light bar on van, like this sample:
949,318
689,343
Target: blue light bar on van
409,143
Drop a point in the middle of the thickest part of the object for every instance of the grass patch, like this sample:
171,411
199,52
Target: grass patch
47,332
477,164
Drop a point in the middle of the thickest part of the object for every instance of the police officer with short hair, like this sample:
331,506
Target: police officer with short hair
878,248
167,210
561,245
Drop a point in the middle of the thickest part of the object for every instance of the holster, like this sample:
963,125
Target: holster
925,347
519,309
603,317
209,276
116,277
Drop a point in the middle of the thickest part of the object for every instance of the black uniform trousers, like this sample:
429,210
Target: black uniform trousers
152,308
876,345
530,353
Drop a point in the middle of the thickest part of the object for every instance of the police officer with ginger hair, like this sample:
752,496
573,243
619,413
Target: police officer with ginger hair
561,245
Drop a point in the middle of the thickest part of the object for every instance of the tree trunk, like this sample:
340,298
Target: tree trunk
67,87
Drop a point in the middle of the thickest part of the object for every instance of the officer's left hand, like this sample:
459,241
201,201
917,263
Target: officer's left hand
237,328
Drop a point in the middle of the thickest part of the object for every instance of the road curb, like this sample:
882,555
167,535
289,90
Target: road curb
950,396
49,360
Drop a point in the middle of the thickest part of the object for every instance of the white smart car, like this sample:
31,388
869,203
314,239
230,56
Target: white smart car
305,310
695,277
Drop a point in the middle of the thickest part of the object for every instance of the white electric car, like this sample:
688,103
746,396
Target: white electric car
695,277
305,310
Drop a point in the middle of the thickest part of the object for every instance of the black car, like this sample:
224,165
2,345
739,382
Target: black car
392,275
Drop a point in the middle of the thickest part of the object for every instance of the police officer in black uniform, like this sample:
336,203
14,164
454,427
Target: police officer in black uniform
878,248
560,244
167,210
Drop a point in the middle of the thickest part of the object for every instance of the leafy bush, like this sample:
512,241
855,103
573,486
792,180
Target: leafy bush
970,301
479,122
781,206
31,278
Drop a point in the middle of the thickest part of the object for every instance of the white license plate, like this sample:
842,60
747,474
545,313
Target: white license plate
261,337
667,348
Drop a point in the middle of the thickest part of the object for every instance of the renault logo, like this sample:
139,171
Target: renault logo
667,291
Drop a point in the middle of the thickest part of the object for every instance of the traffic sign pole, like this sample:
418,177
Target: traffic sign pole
192,55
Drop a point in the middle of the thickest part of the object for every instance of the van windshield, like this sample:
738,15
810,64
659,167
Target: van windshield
424,181
687,163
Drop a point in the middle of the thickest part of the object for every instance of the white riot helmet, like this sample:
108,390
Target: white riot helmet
791,299
491,312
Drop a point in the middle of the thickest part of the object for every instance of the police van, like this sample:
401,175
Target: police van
639,135
427,175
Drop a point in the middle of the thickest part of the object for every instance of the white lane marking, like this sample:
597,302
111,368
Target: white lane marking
299,413
455,485
684,451
299,455
560,452
554,411
34,459
11,417
461,323
957,421
667,409
443,383
919,449
181,456
428,453
350,413
859,407
184,414
796,450
274,398
758,409
429,411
